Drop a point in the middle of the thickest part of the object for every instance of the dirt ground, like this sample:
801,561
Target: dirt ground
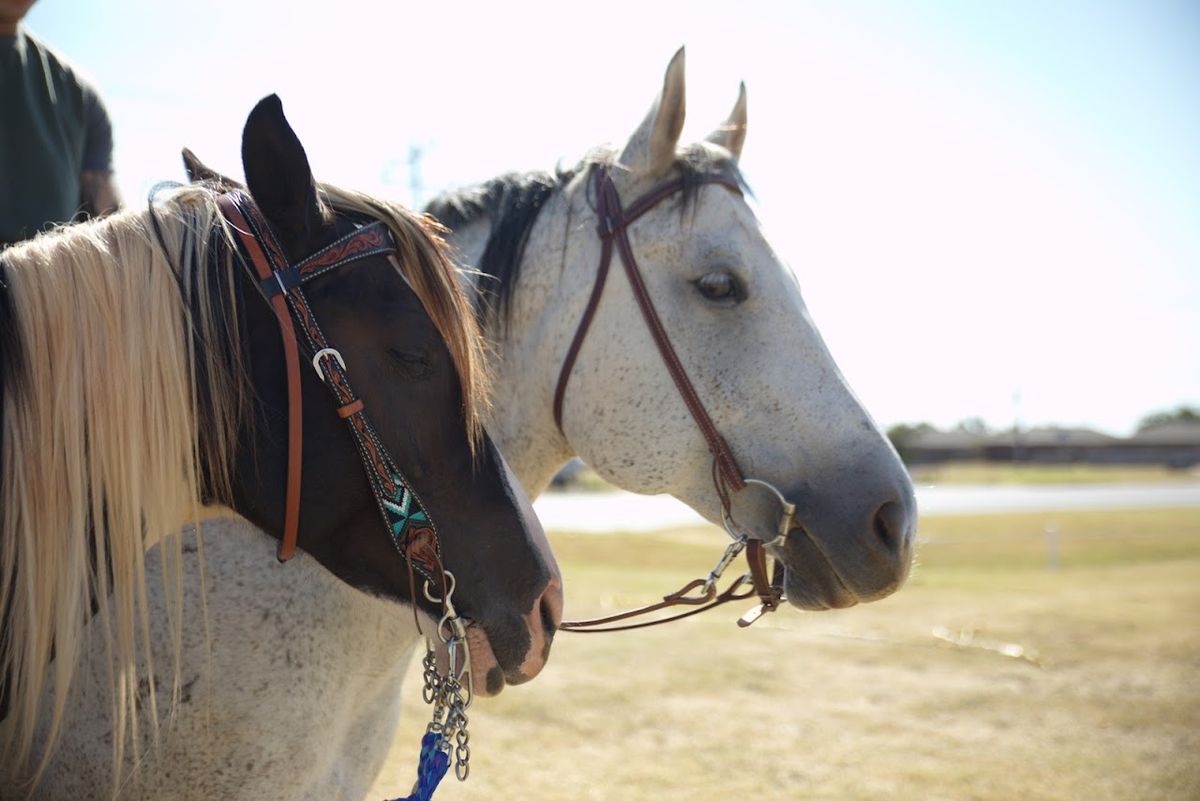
998,672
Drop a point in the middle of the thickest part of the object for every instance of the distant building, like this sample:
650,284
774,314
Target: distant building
1174,445
931,446
1049,445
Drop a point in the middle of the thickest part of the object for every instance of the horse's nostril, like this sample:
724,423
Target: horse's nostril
891,526
550,606
549,620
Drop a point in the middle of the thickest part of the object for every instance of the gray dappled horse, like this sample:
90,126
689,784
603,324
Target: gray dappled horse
735,317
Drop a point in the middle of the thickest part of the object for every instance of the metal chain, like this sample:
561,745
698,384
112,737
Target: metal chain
432,681
456,727
447,692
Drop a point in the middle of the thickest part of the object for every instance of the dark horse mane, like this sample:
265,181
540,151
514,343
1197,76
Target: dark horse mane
512,202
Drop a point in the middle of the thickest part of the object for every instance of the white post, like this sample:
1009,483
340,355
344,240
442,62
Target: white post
1053,549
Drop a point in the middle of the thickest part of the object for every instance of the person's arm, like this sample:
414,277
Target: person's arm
98,193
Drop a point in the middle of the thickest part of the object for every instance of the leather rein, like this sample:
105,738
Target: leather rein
728,479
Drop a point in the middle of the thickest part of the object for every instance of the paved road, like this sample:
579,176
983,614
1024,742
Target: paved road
965,499
623,511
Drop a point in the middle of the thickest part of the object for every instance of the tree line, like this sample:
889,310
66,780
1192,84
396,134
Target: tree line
901,434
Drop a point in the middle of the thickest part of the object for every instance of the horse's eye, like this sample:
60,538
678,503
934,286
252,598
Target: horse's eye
720,288
410,365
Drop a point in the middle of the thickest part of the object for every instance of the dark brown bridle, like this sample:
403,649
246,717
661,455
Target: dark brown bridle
728,479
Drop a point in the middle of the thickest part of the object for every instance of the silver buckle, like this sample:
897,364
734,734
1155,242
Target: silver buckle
322,353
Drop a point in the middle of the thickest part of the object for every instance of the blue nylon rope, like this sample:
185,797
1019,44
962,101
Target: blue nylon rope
431,768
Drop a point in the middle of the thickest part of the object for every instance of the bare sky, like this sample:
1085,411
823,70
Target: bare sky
993,208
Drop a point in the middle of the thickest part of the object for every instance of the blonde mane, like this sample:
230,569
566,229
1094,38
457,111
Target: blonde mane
117,320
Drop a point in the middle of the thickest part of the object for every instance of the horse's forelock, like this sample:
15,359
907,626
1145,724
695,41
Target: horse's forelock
424,259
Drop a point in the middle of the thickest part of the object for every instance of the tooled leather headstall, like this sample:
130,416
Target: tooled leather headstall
408,524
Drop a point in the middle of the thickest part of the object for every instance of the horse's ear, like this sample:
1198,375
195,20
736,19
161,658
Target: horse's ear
732,135
197,172
651,149
278,175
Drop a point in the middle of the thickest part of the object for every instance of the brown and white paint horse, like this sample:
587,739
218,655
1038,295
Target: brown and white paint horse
143,375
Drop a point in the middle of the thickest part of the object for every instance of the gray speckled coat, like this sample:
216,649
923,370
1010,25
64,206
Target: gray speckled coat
296,697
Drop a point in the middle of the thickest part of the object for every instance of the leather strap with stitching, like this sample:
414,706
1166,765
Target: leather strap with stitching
412,530
614,222
263,266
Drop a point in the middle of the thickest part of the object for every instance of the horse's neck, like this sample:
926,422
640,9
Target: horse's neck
527,350
291,681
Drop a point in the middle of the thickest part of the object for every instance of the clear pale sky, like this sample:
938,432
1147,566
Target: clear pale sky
993,208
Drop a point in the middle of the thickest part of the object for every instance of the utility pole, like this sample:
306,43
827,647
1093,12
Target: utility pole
416,185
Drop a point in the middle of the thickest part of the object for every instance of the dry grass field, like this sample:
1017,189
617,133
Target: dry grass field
992,675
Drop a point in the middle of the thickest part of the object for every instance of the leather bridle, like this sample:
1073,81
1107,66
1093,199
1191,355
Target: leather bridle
409,526
728,478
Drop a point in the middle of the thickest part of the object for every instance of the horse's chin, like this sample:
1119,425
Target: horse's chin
810,581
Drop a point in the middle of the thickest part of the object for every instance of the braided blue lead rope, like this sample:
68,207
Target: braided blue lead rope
435,760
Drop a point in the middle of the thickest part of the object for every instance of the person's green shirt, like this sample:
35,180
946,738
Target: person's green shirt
53,130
